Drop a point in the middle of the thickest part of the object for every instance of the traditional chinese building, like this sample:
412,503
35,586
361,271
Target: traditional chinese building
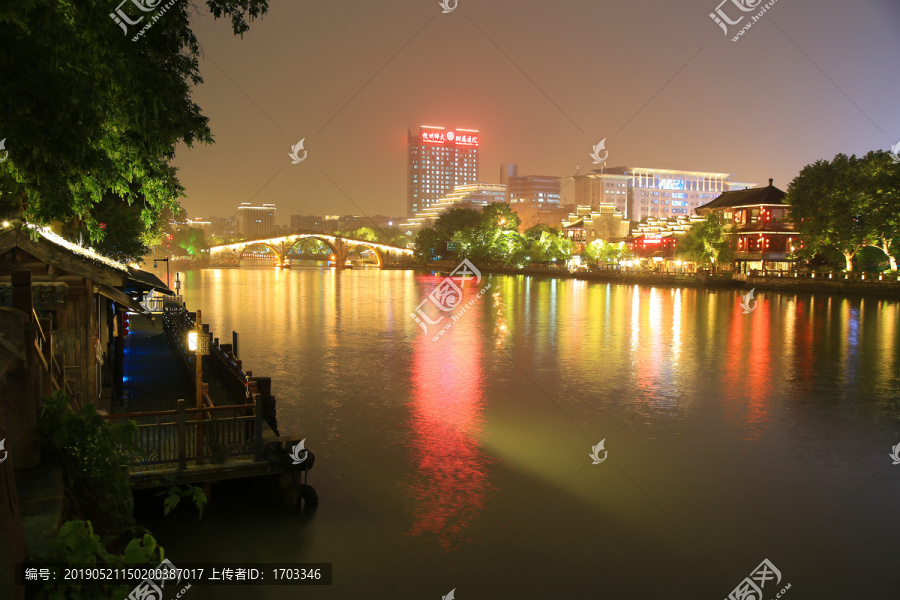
764,234
654,240
604,222
72,303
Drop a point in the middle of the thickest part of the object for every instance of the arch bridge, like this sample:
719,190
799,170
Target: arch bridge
340,247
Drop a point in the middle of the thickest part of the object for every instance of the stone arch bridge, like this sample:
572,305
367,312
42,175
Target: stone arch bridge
340,247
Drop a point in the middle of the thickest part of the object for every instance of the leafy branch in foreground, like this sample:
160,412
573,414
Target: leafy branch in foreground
175,493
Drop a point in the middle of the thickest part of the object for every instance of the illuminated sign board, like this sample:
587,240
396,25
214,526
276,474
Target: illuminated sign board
430,136
679,195
463,139
671,184
460,138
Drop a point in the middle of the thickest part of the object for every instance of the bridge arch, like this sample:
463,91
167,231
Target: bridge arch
249,245
372,247
338,246
339,253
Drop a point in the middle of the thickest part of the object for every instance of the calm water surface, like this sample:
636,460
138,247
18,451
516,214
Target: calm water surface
464,463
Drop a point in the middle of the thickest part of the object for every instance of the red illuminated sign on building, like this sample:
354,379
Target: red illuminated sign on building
433,137
467,138
462,139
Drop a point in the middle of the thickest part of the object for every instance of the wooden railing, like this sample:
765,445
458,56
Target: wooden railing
239,384
886,276
55,374
169,438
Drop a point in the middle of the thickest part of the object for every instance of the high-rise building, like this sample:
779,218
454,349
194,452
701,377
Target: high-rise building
439,160
531,189
507,171
223,227
641,192
256,221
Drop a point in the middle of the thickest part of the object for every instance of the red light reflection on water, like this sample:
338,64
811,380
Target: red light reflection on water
749,368
450,478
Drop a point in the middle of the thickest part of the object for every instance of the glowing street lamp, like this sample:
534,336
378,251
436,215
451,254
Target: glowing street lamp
165,260
198,343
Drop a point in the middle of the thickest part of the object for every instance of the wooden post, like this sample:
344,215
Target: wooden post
258,452
46,352
182,434
234,343
198,364
22,297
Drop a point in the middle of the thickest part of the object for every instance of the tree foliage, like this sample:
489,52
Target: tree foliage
825,209
94,456
708,242
491,235
87,113
76,543
879,185
600,252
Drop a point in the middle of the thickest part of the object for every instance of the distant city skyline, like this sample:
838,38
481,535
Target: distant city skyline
805,83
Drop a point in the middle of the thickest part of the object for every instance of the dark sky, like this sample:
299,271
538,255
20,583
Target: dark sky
543,82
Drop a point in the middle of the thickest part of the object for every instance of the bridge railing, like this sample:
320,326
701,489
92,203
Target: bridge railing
174,438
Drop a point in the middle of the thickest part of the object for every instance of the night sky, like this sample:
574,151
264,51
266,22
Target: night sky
542,82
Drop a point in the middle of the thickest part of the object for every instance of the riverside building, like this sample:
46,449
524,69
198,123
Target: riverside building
641,192
439,159
256,221
475,196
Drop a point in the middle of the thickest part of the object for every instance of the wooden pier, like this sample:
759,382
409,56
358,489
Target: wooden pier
202,442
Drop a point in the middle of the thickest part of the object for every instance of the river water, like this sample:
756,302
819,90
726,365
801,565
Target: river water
463,463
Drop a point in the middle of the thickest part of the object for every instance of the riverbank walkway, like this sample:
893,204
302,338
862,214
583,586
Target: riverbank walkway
152,378
221,440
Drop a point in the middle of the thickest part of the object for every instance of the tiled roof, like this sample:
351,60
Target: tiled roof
754,196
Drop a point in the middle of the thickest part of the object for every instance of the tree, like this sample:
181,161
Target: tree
501,216
431,242
126,238
362,233
879,184
599,251
491,234
534,232
707,242
88,112
829,208
188,241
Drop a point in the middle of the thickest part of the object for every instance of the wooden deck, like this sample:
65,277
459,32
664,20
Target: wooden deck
194,474
177,442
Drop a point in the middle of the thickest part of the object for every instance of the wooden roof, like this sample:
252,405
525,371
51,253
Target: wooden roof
750,197
85,263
